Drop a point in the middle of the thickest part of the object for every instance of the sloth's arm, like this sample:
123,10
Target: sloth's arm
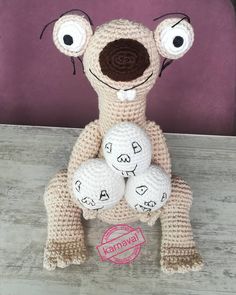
160,154
86,147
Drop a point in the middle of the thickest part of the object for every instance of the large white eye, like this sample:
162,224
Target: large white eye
71,34
174,37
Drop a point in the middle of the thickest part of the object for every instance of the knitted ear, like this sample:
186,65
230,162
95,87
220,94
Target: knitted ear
174,37
71,34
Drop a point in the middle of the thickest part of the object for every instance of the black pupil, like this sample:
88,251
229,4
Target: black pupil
68,40
178,41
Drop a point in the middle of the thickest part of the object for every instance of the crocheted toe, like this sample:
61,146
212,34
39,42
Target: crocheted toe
63,254
180,261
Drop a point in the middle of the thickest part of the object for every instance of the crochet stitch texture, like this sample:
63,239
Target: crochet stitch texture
65,241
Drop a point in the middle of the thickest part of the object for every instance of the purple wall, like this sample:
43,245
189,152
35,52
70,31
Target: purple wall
195,95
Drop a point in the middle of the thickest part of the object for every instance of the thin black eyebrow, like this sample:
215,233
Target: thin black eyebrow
76,9
53,21
185,16
181,21
45,27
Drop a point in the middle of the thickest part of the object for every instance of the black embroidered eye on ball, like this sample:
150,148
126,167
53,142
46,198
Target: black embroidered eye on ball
68,40
178,41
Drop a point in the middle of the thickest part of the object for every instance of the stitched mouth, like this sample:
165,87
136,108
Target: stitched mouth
133,87
126,172
143,208
91,202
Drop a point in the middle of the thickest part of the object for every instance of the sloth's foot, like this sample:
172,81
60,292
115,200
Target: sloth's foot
63,254
180,260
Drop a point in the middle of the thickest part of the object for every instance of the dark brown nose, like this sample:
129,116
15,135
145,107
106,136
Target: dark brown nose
124,60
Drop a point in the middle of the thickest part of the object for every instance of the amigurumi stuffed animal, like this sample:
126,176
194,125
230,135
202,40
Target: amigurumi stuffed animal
122,60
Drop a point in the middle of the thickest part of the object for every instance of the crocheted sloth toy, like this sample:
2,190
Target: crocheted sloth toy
122,60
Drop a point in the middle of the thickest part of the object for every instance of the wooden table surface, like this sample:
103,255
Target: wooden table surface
29,156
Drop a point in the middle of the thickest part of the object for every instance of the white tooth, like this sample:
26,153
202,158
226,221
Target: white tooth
131,94
126,94
121,95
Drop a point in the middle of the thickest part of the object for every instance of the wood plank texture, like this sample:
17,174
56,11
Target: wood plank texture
29,156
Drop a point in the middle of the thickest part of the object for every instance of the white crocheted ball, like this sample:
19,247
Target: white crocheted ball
127,149
96,186
148,191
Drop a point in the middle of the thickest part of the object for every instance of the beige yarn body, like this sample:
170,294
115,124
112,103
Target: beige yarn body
65,242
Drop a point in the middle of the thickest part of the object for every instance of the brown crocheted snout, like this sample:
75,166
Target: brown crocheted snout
124,60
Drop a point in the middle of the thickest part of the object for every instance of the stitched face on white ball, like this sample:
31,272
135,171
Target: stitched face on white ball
127,149
96,186
148,191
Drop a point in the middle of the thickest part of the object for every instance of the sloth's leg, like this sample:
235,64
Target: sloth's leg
178,250
65,241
